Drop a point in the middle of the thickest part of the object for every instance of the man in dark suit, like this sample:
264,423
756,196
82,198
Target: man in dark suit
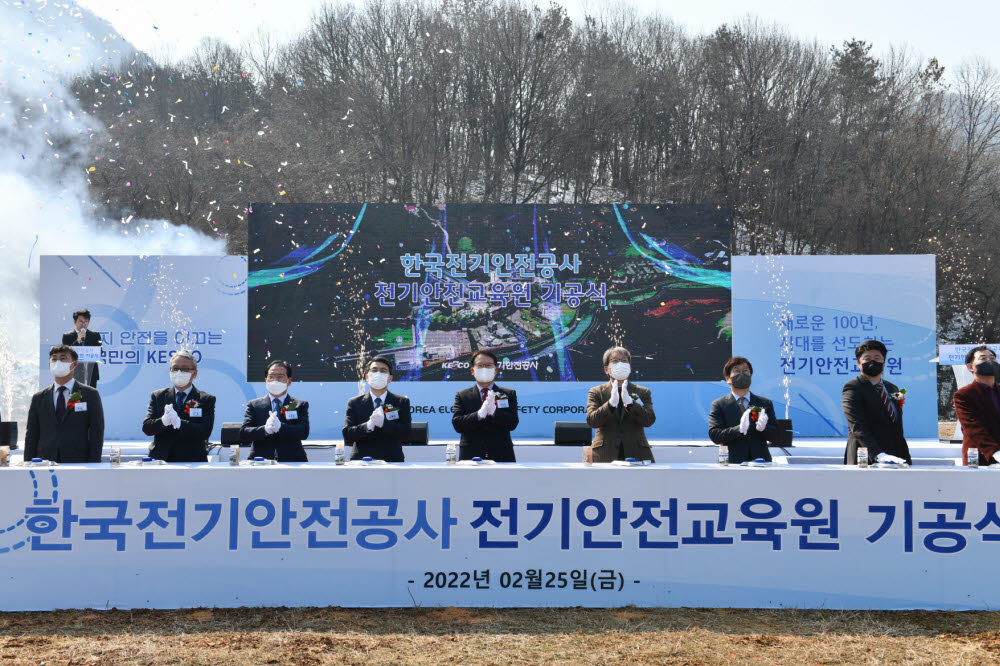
733,421
180,418
485,414
620,412
874,410
377,423
277,423
65,420
978,407
81,336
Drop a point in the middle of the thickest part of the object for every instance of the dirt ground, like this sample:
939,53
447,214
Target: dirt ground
307,636
946,429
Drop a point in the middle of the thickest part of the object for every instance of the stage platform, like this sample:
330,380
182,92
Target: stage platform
806,451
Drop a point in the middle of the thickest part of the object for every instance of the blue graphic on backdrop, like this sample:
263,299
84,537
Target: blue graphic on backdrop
799,319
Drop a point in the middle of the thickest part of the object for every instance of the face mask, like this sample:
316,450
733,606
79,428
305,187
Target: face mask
872,368
485,375
740,380
378,380
59,369
276,387
620,371
180,379
987,368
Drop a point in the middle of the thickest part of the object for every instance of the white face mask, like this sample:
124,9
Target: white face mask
274,387
485,375
378,380
620,371
59,369
180,379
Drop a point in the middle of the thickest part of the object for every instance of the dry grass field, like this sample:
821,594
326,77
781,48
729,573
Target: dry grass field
310,636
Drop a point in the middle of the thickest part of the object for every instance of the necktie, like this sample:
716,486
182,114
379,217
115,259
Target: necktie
61,404
885,401
179,402
484,391
276,404
743,404
378,402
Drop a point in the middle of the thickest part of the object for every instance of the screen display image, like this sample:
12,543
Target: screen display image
547,287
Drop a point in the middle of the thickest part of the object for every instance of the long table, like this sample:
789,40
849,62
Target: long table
546,534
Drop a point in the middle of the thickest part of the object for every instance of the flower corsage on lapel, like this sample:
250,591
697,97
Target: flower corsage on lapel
189,405
290,407
899,397
75,398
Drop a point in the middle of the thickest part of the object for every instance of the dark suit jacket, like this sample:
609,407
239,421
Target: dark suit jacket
91,339
869,425
287,442
980,421
385,443
724,428
189,442
488,439
78,439
620,432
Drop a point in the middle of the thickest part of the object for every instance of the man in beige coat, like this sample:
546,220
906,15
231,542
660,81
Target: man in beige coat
620,412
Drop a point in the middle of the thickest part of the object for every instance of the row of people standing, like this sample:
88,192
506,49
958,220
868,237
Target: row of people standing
872,406
66,420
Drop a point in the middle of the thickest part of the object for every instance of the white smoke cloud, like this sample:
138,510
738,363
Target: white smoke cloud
46,143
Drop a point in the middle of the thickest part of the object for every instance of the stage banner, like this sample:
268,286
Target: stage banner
502,535
799,319
146,308
549,288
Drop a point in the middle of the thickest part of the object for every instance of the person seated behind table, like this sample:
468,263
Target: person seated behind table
276,423
65,420
620,412
82,337
731,418
485,414
377,423
874,417
180,418
978,407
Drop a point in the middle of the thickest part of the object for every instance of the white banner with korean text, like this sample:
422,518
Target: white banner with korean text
90,536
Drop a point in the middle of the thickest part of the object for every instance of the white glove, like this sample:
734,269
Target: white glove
491,401
376,419
745,422
273,424
996,457
614,396
484,410
761,420
626,398
886,458
170,418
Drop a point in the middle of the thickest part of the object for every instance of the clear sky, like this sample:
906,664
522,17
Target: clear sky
951,31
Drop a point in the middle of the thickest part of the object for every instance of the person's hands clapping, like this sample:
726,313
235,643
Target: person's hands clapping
273,424
376,420
491,402
170,418
626,397
745,422
614,396
761,420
